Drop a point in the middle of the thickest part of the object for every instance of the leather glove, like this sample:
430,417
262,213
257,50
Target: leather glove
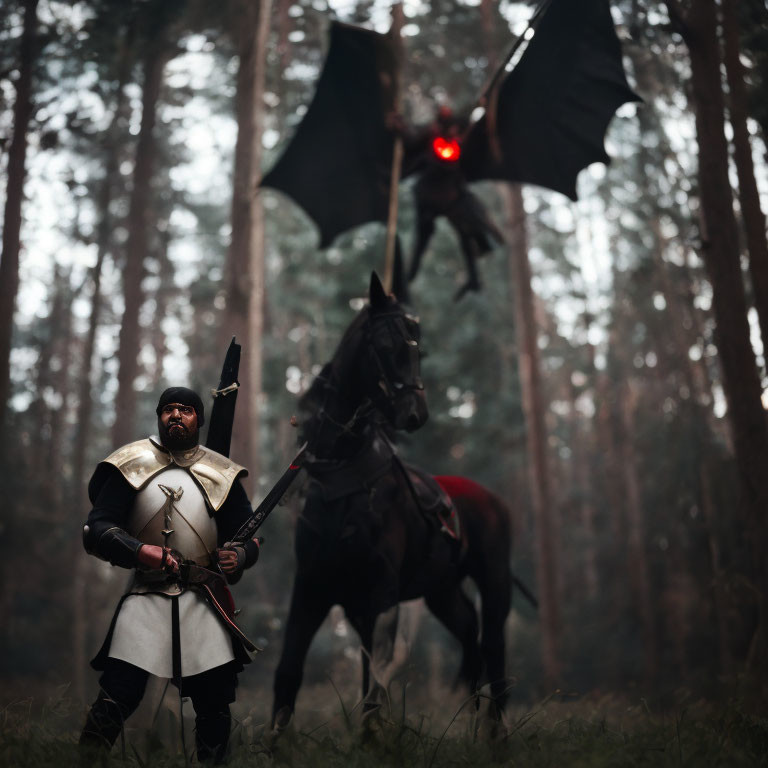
231,559
158,558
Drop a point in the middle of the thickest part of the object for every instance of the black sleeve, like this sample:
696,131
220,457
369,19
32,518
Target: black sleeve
104,532
232,514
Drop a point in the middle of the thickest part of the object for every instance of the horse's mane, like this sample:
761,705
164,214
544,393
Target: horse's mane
314,398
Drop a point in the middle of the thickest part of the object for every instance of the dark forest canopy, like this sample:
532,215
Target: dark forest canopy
125,136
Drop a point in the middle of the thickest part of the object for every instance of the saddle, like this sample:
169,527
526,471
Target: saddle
433,501
339,479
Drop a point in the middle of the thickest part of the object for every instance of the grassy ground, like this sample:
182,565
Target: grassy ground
590,732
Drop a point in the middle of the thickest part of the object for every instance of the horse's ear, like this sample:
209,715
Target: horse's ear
376,293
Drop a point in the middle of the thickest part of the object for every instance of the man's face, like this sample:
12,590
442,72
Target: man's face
178,426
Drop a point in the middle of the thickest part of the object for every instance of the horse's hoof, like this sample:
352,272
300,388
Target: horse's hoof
489,729
491,725
371,722
280,721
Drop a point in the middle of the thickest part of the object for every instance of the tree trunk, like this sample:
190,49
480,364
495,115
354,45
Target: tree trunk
39,411
719,592
244,312
696,380
706,372
113,138
581,441
61,381
51,384
720,253
637,559
157,338
17,159
749,197
534,408
680,317
82,427
123,430
283,29
84,399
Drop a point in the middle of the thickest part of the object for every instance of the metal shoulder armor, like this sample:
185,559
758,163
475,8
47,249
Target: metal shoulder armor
215,474
139,462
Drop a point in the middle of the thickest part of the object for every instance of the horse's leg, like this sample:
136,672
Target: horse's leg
383,651
308,609
457,613
363,625
489,569
495,584
377,635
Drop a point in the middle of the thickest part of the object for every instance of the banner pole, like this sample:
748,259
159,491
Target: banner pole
397,151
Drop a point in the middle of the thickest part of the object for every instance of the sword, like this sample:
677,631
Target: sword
270,501
213,584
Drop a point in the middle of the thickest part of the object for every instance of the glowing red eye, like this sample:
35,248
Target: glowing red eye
446,149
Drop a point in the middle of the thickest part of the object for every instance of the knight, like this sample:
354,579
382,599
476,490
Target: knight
166,507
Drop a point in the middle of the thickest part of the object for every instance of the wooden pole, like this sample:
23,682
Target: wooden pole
397,152
487,95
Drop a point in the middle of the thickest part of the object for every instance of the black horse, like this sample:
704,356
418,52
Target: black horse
375,531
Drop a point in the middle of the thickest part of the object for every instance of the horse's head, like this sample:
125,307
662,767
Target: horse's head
391,360
377,367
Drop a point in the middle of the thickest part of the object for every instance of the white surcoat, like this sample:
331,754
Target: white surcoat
142,635
171,510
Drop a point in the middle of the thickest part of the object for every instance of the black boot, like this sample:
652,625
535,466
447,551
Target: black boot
103,726
212,736
122,688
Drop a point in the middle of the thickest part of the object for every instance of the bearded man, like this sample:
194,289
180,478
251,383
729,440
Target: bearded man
157,505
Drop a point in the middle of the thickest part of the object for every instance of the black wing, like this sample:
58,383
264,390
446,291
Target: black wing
337,165
553,109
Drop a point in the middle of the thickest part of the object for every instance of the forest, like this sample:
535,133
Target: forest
607,381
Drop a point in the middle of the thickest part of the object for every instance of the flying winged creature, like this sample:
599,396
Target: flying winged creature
543,122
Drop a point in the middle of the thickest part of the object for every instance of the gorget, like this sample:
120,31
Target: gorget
141,461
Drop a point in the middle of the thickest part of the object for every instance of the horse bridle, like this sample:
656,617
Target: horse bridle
389,384
389,381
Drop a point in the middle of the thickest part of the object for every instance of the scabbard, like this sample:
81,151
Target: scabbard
213,588
224,616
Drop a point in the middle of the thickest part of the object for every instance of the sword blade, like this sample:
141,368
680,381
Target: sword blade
271,500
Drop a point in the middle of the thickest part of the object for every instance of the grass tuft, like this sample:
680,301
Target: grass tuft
605,733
